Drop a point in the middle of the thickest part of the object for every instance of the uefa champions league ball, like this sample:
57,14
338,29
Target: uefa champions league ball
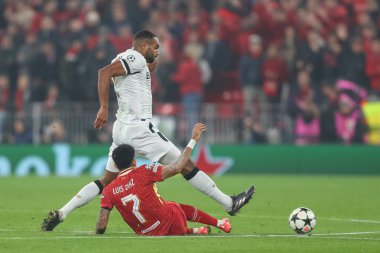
302,220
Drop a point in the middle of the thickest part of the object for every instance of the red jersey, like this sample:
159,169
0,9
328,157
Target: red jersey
135,196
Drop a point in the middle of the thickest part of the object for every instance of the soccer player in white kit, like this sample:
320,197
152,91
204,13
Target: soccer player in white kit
130,74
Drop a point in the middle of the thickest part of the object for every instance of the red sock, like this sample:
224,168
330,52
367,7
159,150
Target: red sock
190,231
195,215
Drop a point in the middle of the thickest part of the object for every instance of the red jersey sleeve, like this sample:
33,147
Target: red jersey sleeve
105,201
152,172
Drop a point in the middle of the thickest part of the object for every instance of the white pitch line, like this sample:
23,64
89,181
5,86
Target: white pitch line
324,236
242,215
349,233
352,238
353,220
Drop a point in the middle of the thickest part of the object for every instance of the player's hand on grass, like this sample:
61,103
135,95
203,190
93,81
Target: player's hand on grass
101,118
198,129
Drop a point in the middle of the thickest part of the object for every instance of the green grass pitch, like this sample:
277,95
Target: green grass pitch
347,210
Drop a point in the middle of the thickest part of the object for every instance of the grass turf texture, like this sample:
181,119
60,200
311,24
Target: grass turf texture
347,210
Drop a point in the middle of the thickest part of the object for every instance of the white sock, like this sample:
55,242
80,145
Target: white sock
85,195
204,183
195,230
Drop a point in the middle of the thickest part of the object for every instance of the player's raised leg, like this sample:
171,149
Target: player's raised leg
84,196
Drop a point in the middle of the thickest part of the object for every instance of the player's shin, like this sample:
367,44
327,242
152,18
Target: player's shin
202,182
195,215
85,195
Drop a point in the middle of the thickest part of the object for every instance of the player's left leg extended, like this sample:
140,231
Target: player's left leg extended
195,215
84,196
178,224
202,182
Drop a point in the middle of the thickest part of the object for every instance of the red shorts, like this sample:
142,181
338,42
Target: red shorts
178,225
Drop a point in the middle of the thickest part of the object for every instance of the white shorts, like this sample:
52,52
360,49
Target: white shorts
147,141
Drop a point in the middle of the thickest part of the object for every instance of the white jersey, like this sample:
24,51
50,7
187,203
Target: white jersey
133,90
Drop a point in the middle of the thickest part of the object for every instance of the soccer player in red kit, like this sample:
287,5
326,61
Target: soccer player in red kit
135,196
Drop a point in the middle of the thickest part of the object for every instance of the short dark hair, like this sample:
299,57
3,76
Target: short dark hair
123,156
143,35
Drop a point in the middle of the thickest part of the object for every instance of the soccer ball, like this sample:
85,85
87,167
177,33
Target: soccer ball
302,220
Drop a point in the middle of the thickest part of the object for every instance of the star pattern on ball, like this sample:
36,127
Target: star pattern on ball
299,230
307,221
302,220
294,218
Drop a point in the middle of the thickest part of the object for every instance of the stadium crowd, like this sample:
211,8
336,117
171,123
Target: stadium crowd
318,59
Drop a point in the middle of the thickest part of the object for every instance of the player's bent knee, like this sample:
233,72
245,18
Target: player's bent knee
185,171
190,173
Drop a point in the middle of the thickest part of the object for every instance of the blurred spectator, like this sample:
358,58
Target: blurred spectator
348,121
329,106
21,134
118,16
253,132
217,54
74,70
22,94
51,97
122,40
48,31
4,102
189,78
103,135
196,22
310,57
343,121
275,74
290,47
330,58
352,63
305,111
54,133
250,72
368,33
230,17
195,49
169,90
139,12
99,58
46,64
373,67
7,52
27,54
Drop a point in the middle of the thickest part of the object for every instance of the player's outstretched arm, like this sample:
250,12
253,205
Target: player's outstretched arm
104,80
102,221
171,170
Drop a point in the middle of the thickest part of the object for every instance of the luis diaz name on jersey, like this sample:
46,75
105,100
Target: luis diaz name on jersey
121,188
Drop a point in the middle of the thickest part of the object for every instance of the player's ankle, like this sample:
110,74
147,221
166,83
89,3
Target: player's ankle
62,216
